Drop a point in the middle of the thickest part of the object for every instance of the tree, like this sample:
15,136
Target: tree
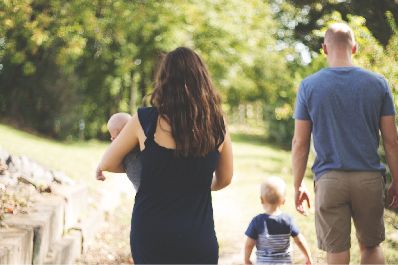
75,62
64,62
307,16
38,38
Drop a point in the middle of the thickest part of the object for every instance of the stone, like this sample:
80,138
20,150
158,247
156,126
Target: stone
30,172
77,238
4,256
3,167
53,257
69,254
13,162
4,155
7,179
53,229
40,223
76,203
14,246
56,204
61,178
23,237
33,173
62,252
88,227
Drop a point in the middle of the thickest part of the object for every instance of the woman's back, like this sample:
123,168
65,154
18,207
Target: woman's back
175,190
186,154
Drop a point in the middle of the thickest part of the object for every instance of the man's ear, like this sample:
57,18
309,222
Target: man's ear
354,48
324,48
262,200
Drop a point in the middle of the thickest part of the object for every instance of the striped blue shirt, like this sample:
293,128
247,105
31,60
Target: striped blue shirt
272,234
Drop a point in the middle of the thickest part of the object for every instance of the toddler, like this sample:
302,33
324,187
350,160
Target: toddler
131,163
270,231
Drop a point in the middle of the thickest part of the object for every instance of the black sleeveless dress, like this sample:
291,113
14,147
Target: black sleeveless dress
172,218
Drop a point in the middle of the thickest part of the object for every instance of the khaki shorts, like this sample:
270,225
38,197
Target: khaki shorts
340,195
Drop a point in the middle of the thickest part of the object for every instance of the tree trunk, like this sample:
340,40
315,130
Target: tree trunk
143,86
133,93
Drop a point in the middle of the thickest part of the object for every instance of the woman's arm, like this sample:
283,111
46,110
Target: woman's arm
224,170
126,141
249,245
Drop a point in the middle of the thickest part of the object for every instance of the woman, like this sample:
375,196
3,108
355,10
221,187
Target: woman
184,142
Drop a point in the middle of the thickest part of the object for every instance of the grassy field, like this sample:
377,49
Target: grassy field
233,207
77,159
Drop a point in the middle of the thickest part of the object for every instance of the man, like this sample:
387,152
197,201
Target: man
345,107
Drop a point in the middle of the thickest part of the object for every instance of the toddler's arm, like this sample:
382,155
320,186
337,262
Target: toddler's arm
303,246
249,245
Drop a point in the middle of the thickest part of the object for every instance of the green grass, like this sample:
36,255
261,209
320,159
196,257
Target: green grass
77,159
234,206
254,160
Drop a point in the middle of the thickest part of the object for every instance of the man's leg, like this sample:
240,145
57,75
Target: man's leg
371,255
338,258
333,216
368,212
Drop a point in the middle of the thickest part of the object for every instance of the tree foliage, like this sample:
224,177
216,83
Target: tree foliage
70,61
304,16
65,61
66,66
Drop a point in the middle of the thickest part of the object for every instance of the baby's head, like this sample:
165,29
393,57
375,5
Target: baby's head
116,123
273,191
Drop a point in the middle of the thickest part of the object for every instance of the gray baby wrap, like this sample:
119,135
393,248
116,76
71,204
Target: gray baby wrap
133,167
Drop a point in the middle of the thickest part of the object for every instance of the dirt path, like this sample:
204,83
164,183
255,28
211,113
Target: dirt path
111,243
233,209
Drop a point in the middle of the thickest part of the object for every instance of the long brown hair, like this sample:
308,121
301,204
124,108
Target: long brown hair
184,95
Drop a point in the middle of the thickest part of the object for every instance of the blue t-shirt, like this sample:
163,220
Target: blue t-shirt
272,234
345,105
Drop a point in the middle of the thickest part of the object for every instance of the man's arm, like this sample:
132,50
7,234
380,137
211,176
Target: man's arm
389,134
249,245
300,150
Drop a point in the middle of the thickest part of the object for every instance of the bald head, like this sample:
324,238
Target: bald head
116,123
339,36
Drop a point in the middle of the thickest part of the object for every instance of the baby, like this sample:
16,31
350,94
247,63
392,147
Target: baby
270,231
131,163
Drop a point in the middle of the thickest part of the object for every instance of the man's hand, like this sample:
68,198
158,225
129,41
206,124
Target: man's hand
390,141
300,150
302,195
392,195
99,174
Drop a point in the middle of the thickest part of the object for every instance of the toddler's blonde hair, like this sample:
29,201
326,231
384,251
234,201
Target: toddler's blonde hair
273,190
